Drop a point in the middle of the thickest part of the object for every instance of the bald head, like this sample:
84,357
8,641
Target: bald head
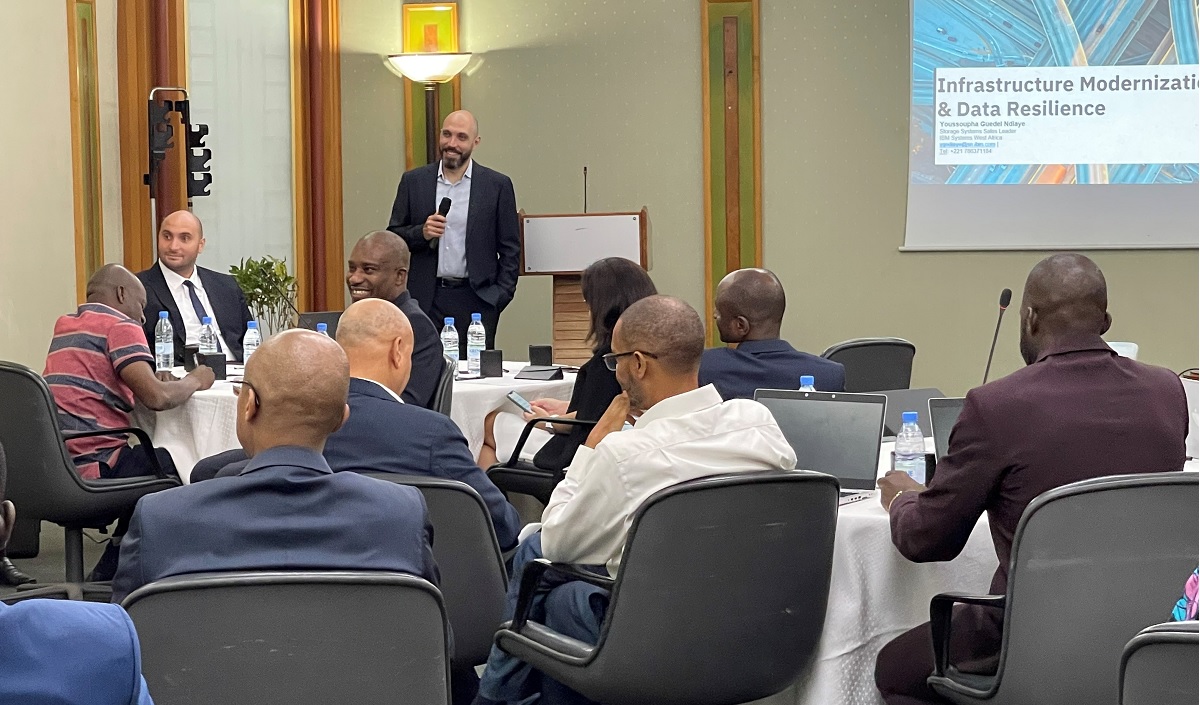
667,327
301,380
378,340
180,242
378,266
459,137
117,287
462,119
1065,295
184,220
749,306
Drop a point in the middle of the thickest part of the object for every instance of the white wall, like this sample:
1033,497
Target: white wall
37,221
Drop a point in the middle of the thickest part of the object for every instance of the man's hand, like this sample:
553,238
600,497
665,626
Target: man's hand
435,226
549,407
893,483
165,376
204,375
612,421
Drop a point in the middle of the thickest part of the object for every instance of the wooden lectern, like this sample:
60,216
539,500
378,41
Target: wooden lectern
563,246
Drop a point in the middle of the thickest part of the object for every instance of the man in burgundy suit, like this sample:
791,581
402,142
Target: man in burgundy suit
1077,411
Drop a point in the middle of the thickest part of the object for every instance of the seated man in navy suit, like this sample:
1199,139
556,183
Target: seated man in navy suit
748,310
286,509
61,651
383,434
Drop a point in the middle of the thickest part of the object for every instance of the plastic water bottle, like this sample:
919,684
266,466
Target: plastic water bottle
208,337
450,342
164,343
476,340
910,448
323,329
251,341
806,383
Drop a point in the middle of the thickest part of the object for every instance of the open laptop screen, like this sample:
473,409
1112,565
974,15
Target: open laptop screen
943,414
831,432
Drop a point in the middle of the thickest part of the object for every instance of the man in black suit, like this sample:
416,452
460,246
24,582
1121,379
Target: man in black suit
378,269
748,310
467,261
1076,412
188,293
286,509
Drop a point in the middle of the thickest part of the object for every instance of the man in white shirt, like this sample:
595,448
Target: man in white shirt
684,432
188,293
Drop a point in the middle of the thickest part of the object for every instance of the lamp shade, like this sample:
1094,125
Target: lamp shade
427,68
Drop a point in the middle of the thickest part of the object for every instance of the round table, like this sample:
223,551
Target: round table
206,424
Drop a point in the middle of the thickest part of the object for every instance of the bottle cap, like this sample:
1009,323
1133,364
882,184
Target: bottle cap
909,417
807,380
162,314
205,321
322,327
476,316
449,321
252,325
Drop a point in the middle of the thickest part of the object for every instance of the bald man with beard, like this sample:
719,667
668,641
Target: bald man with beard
287,508
1076,412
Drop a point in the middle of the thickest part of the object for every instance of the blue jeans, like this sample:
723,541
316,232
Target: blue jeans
570,607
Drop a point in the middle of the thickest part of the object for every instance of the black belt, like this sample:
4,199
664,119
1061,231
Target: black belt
451,282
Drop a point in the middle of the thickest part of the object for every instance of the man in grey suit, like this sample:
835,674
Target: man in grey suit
466,261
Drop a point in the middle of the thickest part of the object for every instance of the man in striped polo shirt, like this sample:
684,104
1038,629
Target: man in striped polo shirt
98,365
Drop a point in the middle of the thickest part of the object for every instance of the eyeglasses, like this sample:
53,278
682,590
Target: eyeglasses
237,389
610,359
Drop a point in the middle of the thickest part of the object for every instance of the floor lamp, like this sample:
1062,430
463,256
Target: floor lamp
429,69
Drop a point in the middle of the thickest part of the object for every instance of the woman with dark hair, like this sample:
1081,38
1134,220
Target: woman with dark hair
609,287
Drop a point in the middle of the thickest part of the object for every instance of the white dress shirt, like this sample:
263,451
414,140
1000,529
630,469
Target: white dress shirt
452,250
684,437
377,384
191,323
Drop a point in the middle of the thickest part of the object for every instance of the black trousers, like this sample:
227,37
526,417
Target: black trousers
904,664
459,303
134,462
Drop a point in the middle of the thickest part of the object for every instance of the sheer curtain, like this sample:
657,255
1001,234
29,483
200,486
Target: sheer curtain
239,67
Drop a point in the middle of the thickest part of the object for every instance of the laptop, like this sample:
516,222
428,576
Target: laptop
329,318
832,432
943,414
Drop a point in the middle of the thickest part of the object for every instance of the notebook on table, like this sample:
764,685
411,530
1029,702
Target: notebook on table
835,433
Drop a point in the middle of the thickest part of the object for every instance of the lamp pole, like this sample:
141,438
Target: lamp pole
432,112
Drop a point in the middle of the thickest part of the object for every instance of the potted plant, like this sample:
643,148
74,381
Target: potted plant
270,291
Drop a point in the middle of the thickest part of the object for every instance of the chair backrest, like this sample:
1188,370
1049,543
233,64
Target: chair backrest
42,481
443,396
1160,666
1092,563
473,579
874,364
722,590
292,638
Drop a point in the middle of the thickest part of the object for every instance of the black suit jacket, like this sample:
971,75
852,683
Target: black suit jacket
228,303
427,359
767,364
493,239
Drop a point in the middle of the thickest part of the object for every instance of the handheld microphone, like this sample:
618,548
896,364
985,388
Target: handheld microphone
444,207
1005,299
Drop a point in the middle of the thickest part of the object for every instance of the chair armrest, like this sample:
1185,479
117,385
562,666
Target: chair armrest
529,426
940,614
143,442
531,578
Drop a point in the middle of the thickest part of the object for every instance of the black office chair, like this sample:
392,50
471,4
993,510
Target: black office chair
521,477
1092,563
720,598
874,364
43,483
443,396
292,638
1159,666
473,578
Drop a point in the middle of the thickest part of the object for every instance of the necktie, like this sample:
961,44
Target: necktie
198,307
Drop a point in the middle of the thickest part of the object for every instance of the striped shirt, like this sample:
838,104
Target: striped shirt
83,369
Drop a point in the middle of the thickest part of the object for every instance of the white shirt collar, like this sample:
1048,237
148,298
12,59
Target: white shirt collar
466,174
174,280
681,404
377,384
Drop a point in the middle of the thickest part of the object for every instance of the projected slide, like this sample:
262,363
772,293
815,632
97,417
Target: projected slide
1098,98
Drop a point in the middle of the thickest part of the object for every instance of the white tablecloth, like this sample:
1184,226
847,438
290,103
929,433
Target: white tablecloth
875,594
206,424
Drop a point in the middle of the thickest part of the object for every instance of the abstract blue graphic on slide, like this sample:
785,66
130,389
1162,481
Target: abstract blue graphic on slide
1077,91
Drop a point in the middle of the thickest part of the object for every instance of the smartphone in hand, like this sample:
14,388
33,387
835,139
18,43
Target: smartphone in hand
520,402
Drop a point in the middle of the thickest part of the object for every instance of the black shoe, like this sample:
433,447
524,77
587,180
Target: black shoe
106,567
10,576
